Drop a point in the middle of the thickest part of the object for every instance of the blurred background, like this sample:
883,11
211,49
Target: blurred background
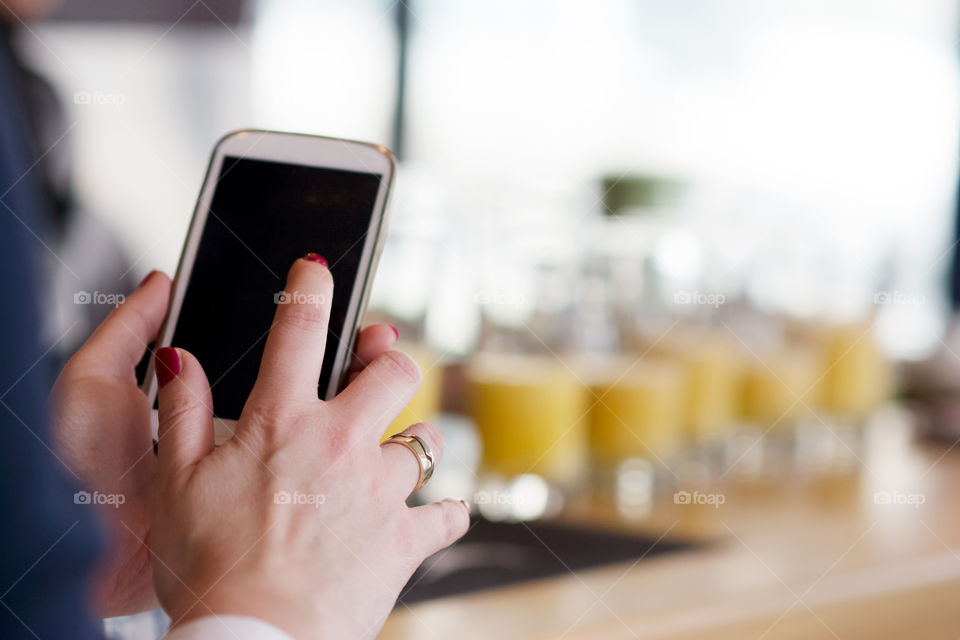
645,252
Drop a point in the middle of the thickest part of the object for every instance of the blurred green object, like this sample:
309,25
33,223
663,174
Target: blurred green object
634,193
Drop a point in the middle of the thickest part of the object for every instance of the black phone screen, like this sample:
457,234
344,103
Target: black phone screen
263,216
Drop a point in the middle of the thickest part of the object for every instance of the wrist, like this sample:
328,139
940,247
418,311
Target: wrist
293,613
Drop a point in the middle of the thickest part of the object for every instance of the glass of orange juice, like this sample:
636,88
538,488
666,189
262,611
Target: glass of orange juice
779,391
713,364
714,368
856,380
778,388
638,410
530,414
635,424
859,377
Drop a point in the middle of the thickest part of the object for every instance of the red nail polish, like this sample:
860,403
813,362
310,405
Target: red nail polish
396,332
167,364
145,278
466,504
316,257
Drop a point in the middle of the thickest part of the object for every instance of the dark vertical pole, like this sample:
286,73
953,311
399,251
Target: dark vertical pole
402,17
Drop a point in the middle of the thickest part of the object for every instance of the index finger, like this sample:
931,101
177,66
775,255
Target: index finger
293,354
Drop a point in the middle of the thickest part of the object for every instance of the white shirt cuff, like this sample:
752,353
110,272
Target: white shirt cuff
226,628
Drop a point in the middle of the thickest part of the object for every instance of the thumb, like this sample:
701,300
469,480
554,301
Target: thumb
441,524
119,342
186,410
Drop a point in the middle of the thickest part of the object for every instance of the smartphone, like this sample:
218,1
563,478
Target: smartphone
269,198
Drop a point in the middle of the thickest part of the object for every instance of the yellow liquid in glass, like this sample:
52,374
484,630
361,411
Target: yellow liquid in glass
859,377
530,415
780,388
713,398
640,411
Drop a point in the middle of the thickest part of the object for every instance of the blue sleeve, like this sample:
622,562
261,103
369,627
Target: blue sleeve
48,544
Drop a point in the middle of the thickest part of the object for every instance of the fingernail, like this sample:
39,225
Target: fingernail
145,278
464,503
396,332
167,362
316,257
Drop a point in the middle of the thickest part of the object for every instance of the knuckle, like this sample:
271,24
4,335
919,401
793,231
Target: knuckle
136,317
131,320
176,413
286,427
272,414
302,316
345,430
340,445
432,436
403,365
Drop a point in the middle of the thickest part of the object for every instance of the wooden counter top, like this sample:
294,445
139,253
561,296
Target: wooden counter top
805,559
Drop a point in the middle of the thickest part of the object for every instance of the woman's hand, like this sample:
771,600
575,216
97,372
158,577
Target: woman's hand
101,420
299,519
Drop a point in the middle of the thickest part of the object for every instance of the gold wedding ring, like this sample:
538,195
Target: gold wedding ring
420,450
